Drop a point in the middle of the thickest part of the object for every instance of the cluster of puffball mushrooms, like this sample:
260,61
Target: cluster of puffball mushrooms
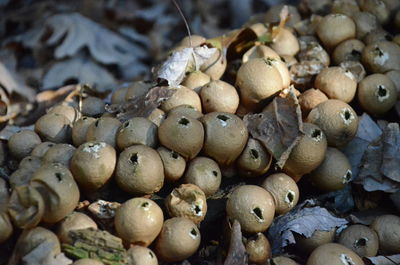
329,53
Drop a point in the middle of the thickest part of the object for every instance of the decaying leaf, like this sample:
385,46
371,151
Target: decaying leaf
383,260
82,69
279,127
304,219
341,200
143,105
380,164
41,255
237,252
12,84
76,32
367,132
188,59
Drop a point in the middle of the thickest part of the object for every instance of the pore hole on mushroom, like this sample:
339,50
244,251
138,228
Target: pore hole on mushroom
215,173
151,255
290,196
316,134
254,153
361,242
145,204
223,117
347,115
382,92
134,158
258,213
58,176
183,121
197,209
346,260
348,176
174,155
193,232
96,123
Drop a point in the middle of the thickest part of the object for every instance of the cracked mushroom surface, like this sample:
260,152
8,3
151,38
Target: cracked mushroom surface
189,201
252,206
361,239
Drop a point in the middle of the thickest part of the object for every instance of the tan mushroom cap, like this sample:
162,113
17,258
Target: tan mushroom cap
309,152
225,136
157,116
394,75
337,83
215,66
333,254
335,28
104,129
337,120
310,98
365,23
284,190
93,106
179,239
93,164
137,130
182,134
254,160
333,173
59,153
252,206
260,51
281,260
317,239
361,239
205,173
388,229
258,248
258,79
377,94
80,129
58,189
377,8
189,201
6,228
219,96
348,50
73,221
138,255
380,57
22,143
182,96
54,127
195,80
185,110
138,221
140,170
285,43
41,149
174,164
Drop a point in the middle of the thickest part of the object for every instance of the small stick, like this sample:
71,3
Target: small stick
185,21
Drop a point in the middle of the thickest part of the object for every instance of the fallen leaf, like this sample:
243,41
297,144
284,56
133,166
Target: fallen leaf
367,132
380,166
82,69
143,105
341,200
12,84
188,59
383,260
304,219
279,127
237,252
76,32
41,255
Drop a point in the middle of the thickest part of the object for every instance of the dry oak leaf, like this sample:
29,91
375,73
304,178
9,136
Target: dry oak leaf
237,252
188,59
279,127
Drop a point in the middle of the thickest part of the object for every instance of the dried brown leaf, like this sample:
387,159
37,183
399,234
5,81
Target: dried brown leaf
143,105
383,260
11,83
237,252
279,127
391,150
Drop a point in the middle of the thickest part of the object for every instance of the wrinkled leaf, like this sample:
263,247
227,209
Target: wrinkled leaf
143,105
12,84
41,255
383,260
279,128
188,59
237,252
367,131
82,69
76,32
380,166
341,200
304,219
